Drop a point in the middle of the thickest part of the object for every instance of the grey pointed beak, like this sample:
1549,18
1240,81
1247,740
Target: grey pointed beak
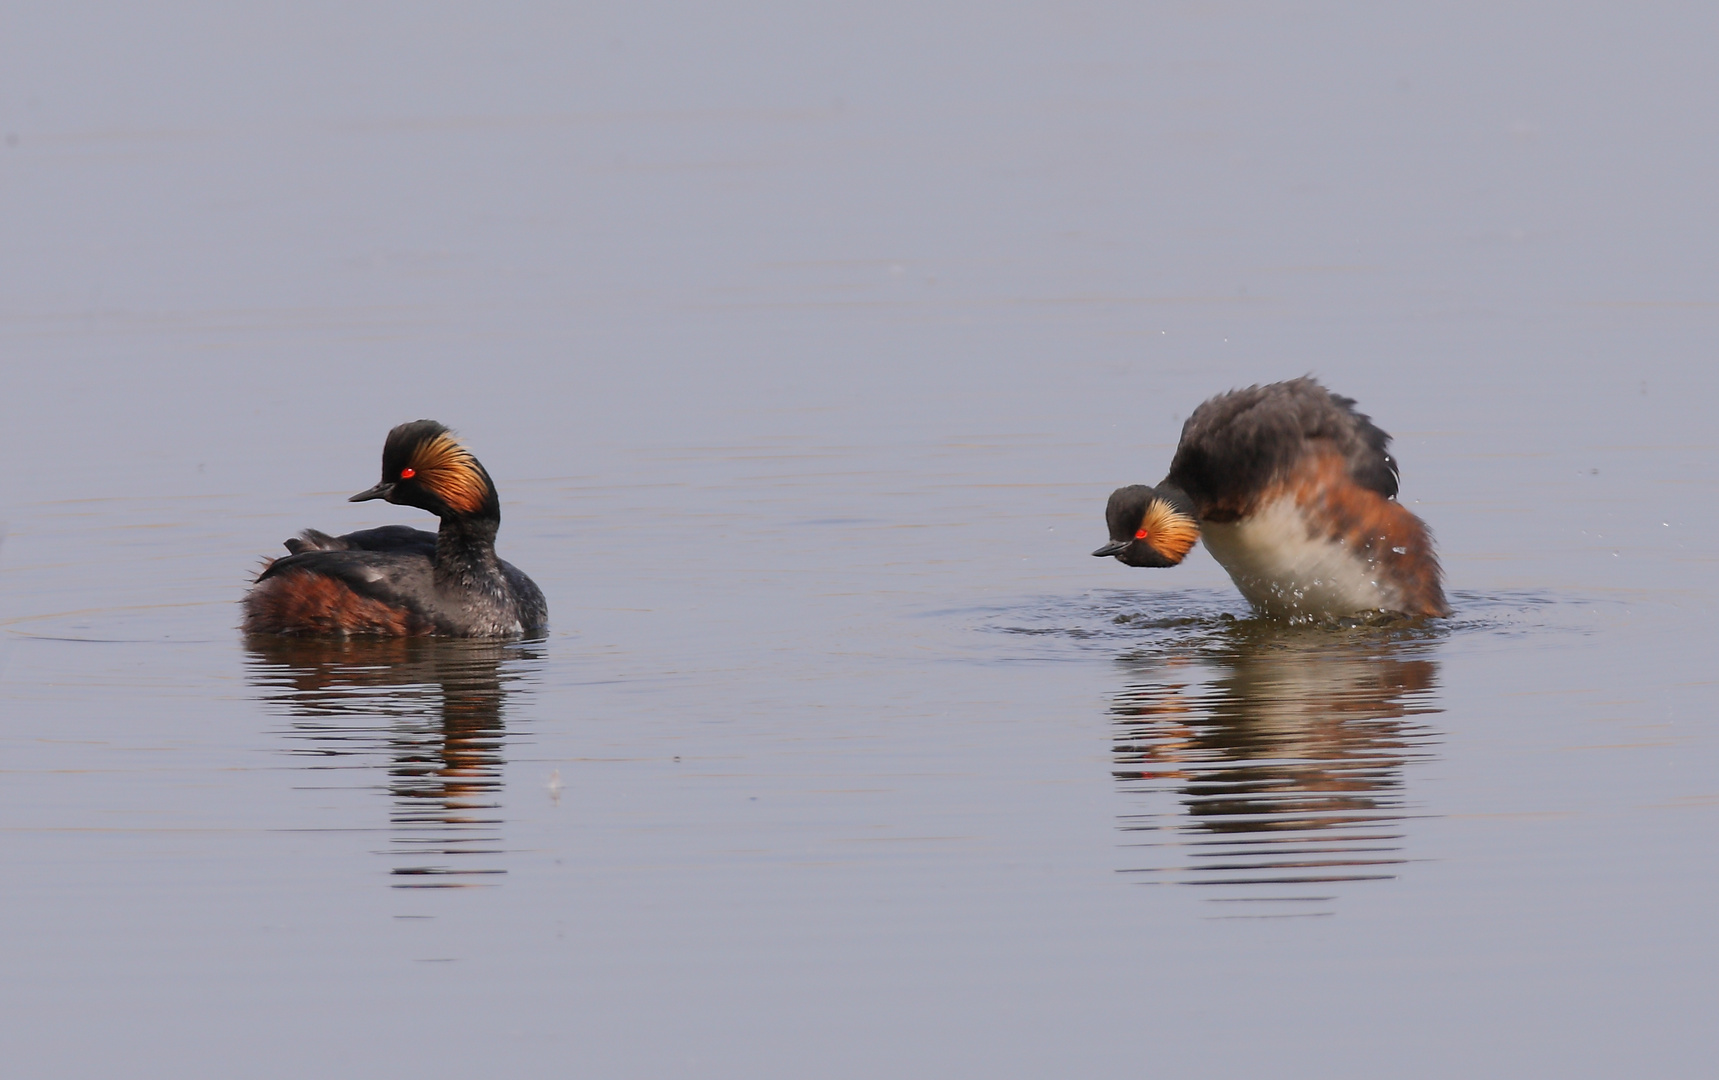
1115,547
380,491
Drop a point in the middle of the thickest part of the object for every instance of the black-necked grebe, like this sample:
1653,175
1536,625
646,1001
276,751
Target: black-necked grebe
399,581
1295,495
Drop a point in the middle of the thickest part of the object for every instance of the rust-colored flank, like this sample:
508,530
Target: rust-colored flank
299,601
1380,530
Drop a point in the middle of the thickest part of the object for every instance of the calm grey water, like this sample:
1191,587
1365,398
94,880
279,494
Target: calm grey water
805,348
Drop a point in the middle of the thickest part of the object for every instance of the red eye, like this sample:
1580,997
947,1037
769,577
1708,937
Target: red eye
407,474
1141,535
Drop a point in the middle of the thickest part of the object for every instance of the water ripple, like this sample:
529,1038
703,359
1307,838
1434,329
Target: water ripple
431,711
1269,766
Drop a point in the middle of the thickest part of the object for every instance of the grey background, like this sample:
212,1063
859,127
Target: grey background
805,346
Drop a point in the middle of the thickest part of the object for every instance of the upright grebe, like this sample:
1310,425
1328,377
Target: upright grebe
399,581
1295,495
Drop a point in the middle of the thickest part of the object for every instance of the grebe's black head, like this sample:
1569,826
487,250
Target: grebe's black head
424,466
1149,527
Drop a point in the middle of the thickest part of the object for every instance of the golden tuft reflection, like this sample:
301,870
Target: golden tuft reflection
432,709
1270,761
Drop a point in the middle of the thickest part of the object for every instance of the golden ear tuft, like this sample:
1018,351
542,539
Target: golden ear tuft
450,473
1170,532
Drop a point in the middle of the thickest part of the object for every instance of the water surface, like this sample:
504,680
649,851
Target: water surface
805,349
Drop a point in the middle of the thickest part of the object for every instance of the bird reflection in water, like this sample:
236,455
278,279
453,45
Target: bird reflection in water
1284,750
433,709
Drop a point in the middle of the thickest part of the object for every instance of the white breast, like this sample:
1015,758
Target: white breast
1287,571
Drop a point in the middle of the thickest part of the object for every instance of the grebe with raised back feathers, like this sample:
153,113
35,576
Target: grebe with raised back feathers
398,581
1295,495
